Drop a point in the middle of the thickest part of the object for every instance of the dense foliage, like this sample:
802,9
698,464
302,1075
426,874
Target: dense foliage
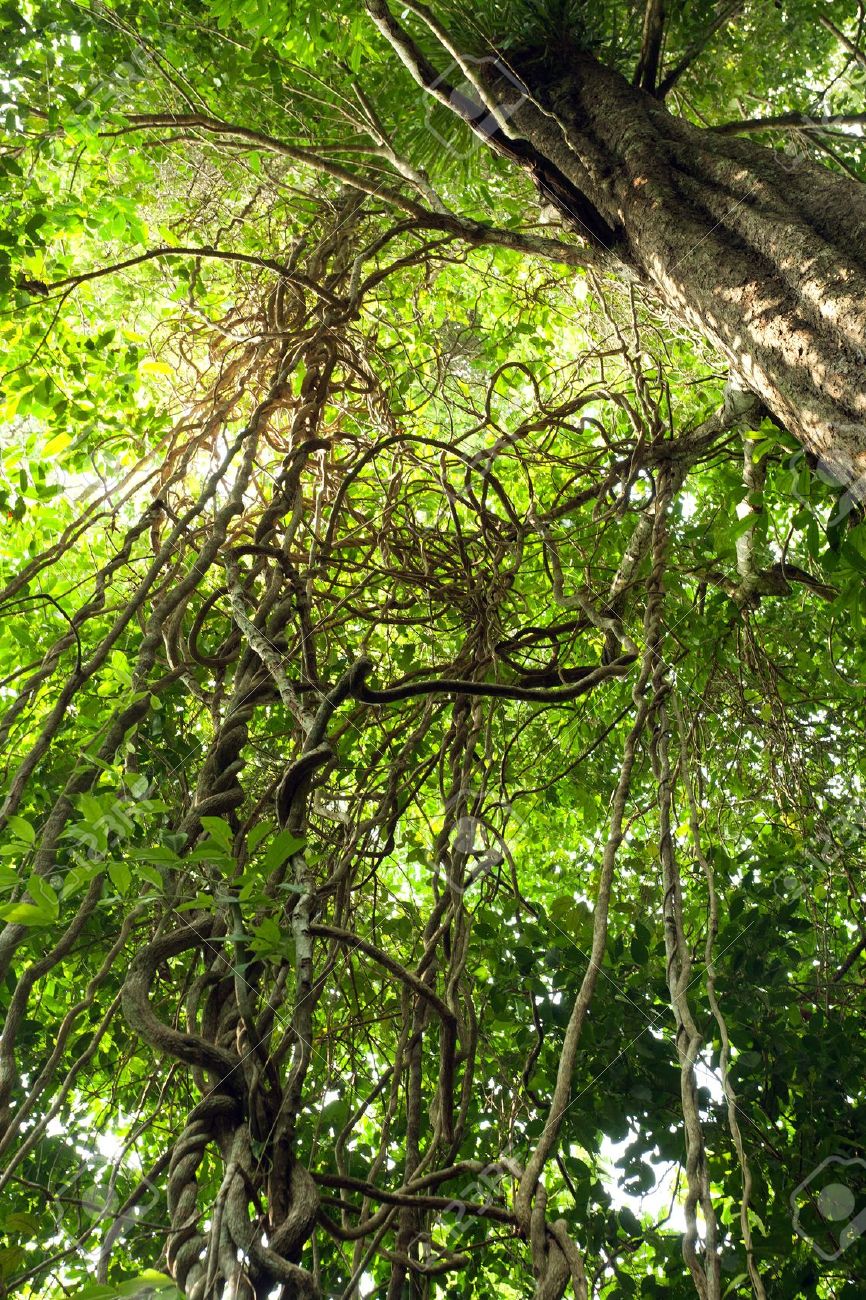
432,743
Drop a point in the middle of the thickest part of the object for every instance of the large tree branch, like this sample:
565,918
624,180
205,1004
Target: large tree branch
452,1205
495,690
854,50
473,232
190,1048
416,62
260,140
786,121
551,182
468,67
206,250
646,73
553,250
418,986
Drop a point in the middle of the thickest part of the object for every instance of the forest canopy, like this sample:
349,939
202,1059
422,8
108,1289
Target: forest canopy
432,463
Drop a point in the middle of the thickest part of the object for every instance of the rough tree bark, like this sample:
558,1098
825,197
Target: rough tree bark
764,255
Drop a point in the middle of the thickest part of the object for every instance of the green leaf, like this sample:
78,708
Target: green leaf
43,895
120,876
25,914
257,834
158,853
219,830
22,828
281,848
852,554
54,446
148,1282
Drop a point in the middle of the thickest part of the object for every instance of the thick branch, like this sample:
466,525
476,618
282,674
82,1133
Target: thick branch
189,1048
417,985
647,69
785,121
854,50
206,250
413,1199
494,690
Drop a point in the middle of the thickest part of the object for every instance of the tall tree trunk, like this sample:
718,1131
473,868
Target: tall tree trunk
765,256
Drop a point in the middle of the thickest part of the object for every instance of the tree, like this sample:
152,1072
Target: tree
431,664
766,261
